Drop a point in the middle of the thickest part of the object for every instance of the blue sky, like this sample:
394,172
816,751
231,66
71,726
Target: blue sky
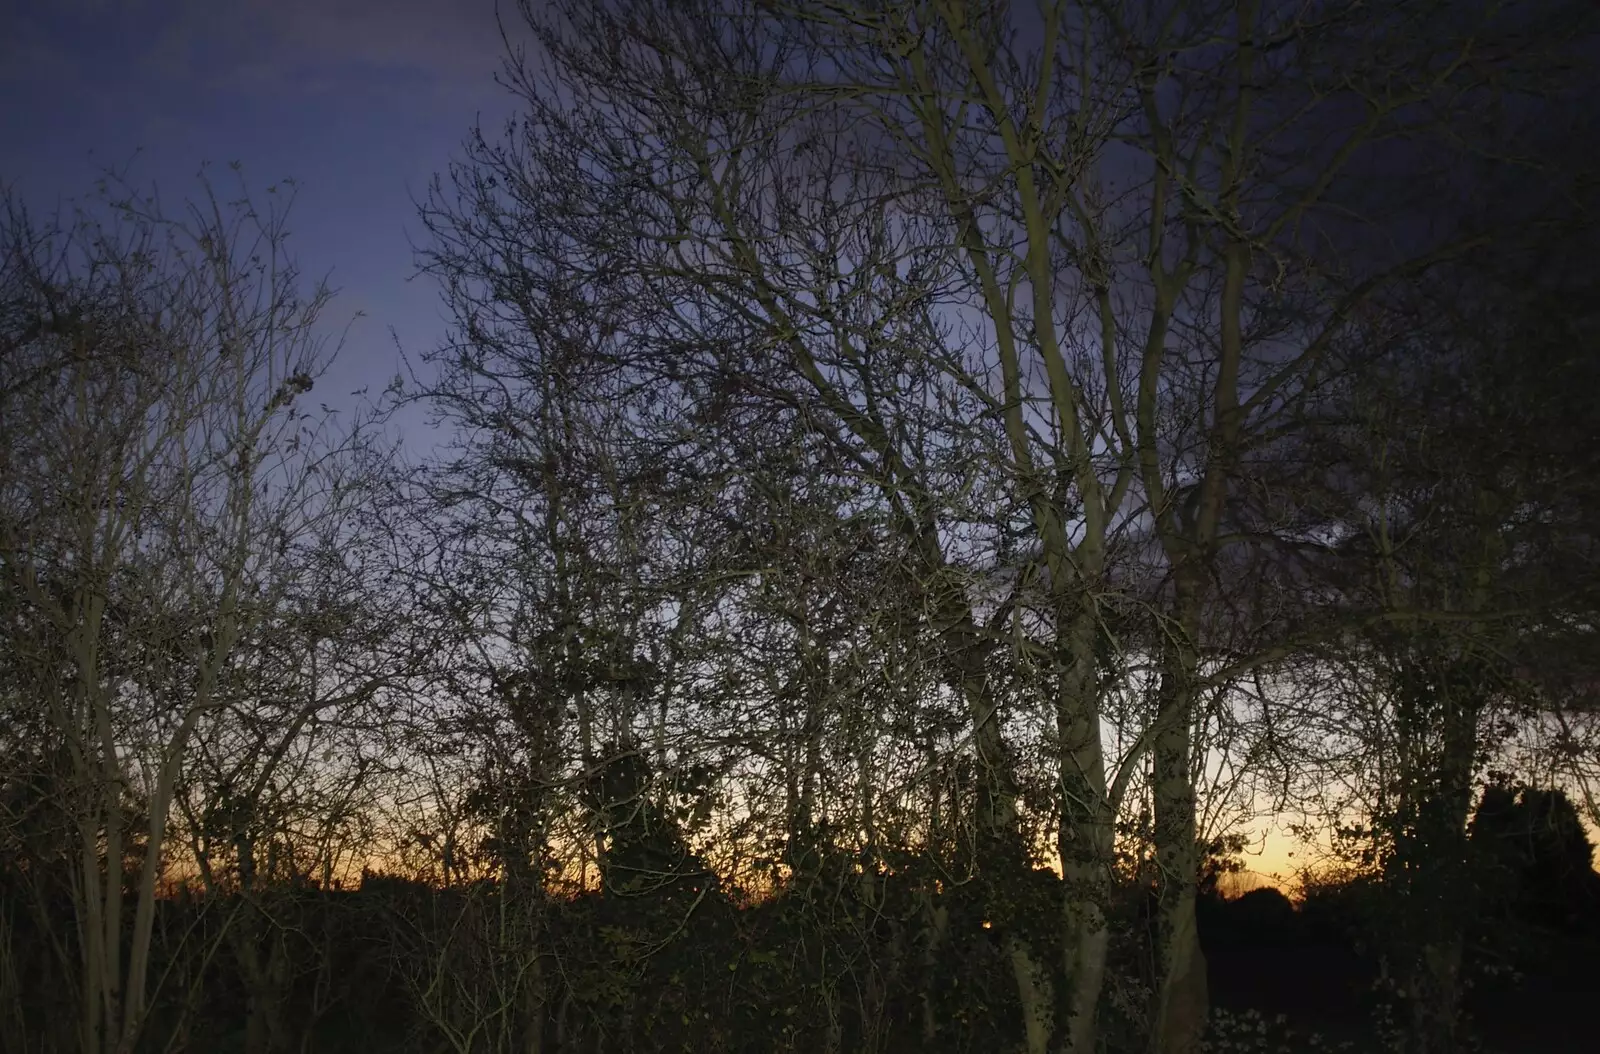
360,101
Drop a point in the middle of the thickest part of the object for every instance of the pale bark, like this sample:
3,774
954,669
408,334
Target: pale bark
148,404
1085,835
1180,1002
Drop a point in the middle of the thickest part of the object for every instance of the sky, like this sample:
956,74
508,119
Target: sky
360,102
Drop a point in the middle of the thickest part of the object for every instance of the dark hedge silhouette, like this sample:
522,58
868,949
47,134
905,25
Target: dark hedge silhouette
664,958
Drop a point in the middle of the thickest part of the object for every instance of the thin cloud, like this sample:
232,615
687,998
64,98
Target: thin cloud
431,37
282,48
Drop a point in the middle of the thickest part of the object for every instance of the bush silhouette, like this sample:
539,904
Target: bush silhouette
1265,916
1535,859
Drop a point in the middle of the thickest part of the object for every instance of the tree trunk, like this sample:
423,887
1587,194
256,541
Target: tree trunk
1036,994
1179,1010
1085,833
938,920
1002,862
533,1004
263,965
1436,996
1443,893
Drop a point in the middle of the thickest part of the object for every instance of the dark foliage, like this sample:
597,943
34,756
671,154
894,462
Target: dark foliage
663,958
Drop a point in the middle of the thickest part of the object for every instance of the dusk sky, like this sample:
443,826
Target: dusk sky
1056,526
359,101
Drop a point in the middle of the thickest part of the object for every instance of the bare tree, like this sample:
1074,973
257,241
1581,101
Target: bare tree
1089,263
164,501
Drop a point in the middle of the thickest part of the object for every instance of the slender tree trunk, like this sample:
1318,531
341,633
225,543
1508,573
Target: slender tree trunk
1003,870
1180,999
91,930
937,917
1442,896
1002,862
533,1004
1455,684
263,964
1085,833
523,944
